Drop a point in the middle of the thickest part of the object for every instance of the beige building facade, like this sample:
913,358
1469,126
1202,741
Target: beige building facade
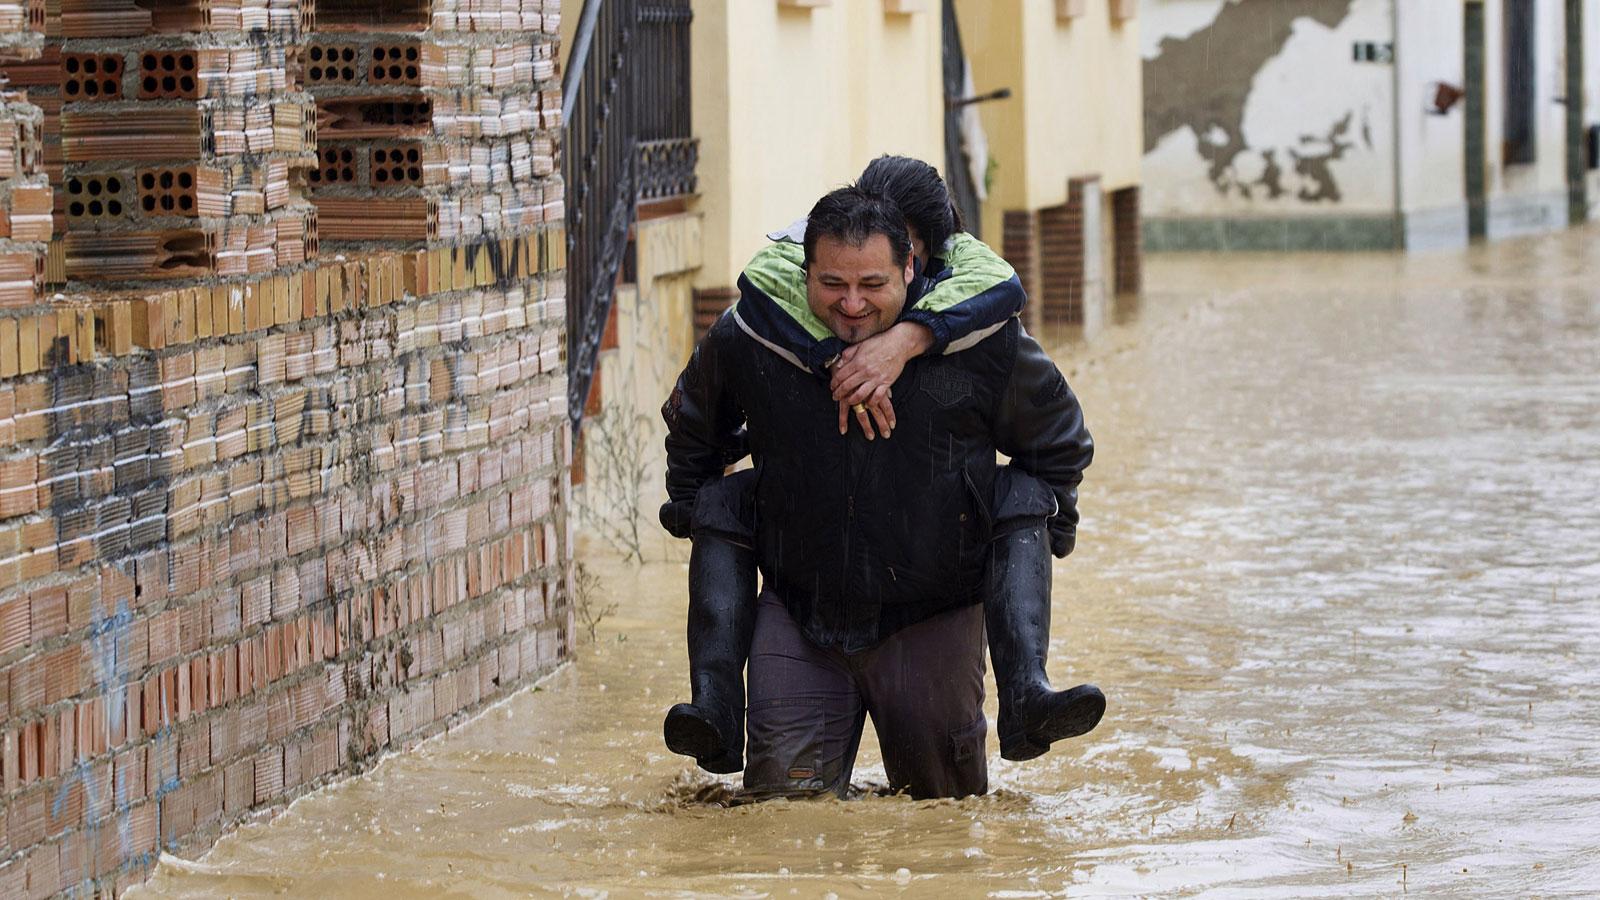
1063,202
791,98
1366,124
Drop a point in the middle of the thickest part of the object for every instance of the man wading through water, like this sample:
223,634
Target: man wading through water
877,554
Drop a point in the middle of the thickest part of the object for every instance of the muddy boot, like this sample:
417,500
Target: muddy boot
1017,616
722,616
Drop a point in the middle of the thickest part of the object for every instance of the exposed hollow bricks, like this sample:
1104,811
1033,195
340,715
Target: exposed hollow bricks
470,571
255,530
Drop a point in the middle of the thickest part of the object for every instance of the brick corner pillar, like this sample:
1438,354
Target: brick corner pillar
709,303
1128,252
1019,244
1069,242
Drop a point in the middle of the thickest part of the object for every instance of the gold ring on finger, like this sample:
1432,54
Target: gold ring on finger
859,407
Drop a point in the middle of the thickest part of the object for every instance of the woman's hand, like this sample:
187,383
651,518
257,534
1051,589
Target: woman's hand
864,372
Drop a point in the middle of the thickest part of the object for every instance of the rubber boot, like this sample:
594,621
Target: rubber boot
722,606
1017,617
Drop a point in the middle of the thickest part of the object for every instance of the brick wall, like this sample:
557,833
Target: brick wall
1068,238
1128,252
262,521
1061,249
710,303
25,195
1020,247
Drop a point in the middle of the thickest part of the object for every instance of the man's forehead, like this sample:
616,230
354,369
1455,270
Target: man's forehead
872,251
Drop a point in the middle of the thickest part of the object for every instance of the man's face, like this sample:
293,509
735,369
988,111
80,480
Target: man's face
856,291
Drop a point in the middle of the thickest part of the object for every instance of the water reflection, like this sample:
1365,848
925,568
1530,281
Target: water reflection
1338,573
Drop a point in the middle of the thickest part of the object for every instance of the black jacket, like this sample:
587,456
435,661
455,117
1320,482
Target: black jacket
861,538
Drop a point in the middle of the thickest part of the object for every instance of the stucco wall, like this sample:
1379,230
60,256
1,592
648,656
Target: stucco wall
790,102
1257,107
1075,102
991,33
623,441
1083,77
1432,146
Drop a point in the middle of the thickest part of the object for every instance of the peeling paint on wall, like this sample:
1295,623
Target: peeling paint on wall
1266,106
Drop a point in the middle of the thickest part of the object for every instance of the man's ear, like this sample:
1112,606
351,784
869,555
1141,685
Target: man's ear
911,268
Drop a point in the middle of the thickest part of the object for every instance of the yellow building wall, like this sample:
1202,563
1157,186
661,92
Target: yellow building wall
992,37
792,102
1076,101
1085,100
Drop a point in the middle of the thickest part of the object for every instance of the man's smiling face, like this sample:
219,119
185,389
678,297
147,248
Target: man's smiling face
857,291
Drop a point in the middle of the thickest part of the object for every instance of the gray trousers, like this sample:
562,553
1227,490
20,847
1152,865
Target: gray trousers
923,687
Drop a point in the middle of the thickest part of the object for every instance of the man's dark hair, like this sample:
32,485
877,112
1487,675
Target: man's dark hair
851,215
921,194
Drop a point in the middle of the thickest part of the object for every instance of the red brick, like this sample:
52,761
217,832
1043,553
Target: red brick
208,798
129,769
238,791
65,810
27,684
63,674
44,871
181,690
199,687
163,636
152,715
49,612
268,775
150,578
26,823
194,750
14,880
15,624
18,486
83,602
116,589
76,858
173,706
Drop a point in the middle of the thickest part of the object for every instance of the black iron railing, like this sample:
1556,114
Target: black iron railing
668,151
629,137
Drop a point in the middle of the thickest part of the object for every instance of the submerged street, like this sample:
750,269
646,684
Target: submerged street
1338,573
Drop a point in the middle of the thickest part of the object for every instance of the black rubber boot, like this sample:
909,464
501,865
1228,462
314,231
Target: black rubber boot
1017,616
722,614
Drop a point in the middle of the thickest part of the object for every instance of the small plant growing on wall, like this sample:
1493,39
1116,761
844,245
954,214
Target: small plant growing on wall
591,611
618,464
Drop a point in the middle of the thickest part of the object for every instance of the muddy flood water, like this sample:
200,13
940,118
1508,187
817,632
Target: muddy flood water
1339,575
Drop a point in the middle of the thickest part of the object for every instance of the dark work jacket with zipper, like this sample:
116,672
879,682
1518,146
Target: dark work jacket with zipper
862,538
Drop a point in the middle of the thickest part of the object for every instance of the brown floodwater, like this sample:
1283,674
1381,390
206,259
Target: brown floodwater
1339,574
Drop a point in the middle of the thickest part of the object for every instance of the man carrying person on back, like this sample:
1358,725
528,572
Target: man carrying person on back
878,555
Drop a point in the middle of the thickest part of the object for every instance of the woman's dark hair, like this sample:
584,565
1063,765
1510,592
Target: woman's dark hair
917,189
851,215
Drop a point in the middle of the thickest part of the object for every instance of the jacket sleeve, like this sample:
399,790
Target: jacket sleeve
1040,426
704,425
970,298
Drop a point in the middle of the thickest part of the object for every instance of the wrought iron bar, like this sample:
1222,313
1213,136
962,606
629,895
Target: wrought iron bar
599,167
578,57
629,137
